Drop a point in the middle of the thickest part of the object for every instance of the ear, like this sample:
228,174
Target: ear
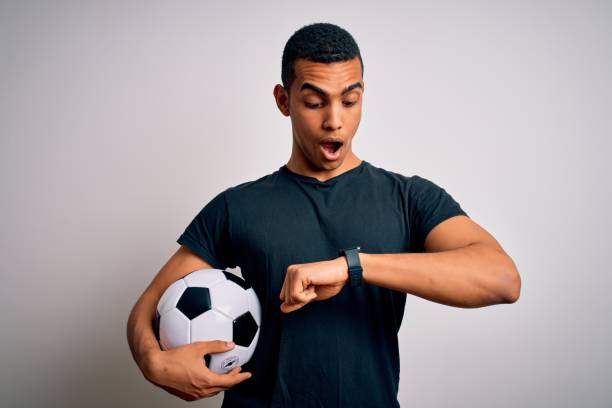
282,99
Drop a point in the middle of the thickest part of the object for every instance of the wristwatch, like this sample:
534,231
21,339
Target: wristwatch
355,271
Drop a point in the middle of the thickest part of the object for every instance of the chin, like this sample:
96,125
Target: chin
327,165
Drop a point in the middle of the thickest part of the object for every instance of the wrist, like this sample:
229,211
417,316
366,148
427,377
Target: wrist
343,265
149,362
363,259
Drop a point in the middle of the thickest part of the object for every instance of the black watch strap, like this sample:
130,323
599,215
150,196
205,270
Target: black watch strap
355,271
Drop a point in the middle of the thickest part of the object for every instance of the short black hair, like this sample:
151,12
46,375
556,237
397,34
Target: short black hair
318,42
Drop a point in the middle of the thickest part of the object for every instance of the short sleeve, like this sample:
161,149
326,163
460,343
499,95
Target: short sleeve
208,236
430,204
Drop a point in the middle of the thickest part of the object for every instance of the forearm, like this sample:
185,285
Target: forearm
140,334
472,276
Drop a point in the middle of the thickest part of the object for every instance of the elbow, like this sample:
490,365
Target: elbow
511,284
513,291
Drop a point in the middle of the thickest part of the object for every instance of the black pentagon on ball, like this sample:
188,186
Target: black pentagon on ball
237,280
207,360
194,302
245,328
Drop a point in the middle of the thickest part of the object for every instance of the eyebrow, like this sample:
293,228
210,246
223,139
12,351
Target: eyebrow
308,85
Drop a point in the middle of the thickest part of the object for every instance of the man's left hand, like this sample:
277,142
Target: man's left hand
312,281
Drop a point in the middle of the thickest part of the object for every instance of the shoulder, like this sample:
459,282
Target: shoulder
406,181
261,185
414,186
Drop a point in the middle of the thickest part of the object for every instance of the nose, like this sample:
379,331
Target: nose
333,117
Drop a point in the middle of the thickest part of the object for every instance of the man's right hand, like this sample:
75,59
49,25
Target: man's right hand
182,371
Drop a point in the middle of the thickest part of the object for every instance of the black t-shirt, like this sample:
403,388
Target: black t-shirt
338,352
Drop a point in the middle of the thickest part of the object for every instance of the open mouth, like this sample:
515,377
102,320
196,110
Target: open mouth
331,150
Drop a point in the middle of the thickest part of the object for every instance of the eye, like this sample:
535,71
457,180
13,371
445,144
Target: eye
349,104
312,105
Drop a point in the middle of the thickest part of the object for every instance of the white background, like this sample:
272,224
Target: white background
120,120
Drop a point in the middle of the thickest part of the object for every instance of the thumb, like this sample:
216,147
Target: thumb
310,294
214,346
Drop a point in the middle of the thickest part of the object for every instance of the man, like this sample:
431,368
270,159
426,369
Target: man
331,244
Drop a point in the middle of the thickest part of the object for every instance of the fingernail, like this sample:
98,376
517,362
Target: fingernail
229,343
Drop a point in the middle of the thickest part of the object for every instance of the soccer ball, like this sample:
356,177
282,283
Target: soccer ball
210,304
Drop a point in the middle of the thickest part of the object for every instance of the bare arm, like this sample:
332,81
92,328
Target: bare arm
473,276
463,266
180,371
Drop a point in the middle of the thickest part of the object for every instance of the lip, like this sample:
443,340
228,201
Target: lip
332,140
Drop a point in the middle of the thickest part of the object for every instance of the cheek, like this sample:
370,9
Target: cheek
355,119
305,125
308,120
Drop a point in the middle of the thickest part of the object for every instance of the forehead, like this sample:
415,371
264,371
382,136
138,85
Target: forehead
333,77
